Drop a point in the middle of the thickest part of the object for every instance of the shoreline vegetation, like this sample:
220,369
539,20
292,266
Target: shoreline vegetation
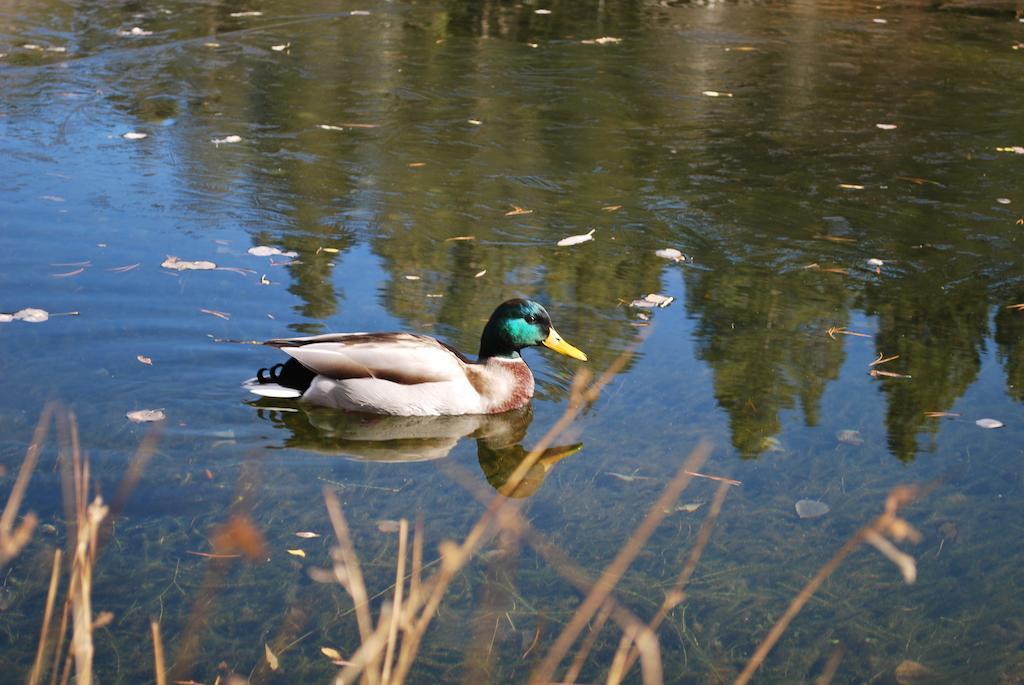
390,642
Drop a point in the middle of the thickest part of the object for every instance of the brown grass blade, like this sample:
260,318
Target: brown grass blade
51,597
353,574
655,514
13,540
887,522
389,653
159,668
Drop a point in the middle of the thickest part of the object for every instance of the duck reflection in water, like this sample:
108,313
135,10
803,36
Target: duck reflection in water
374,437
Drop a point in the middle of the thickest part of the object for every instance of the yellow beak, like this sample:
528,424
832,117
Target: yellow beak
554,341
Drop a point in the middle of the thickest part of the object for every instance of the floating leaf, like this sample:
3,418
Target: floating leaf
330,653
134,135
811,508
715,94
627,478
307,534
516,211
214,312
989,423
271,658
145,360
851,186
686,508
940,415
577,239
652,300
146,415
31,315
416,165
328,250
388,526
173,262
280,48
474,122
1015,149
479,274
68,274
460,237
226,139
297,553
848,436
670,253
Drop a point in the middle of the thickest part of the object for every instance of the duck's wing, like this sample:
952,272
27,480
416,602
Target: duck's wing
402,358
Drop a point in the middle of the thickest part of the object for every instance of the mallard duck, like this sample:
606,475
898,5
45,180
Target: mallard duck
403,374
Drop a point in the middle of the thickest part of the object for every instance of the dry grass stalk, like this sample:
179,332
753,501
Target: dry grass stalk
677,594
87,525
51,598
516,526
12,539
350,575
613,573
583,652
831,666
159,668
888,523
389,653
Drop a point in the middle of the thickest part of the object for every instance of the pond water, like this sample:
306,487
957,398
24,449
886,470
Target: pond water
779,146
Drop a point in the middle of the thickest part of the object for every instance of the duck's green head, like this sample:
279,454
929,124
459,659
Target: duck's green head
522,323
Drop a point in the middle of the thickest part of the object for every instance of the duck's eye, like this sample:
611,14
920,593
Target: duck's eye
530,318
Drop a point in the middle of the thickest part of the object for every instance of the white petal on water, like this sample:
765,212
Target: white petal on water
173,262
359,13
6,318
886,127
1003,200
134,135
250,13
146,415
226,139
410,277
30,315
652,300
134,31
577,239
848,436
811,508
542,11
880,21
989,423
475,122
280,48
267,251
875,263
715,94
670,253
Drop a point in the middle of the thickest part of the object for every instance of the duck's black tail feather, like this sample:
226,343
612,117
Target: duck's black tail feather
290,379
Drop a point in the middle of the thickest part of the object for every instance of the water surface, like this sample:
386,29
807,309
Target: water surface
367,144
